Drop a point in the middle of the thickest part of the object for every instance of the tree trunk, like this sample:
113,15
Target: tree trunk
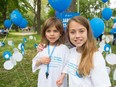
38,16
35,17
72,7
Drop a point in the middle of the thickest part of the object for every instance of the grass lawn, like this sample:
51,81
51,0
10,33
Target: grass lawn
21,75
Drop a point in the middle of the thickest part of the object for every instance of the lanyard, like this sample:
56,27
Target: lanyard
77,74
50,55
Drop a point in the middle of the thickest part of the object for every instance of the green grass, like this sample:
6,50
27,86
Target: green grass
21,75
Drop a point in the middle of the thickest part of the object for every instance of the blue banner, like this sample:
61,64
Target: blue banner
65,17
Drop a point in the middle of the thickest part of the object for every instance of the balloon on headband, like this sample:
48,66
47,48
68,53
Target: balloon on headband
60,5
16,17
104,1
97,26
107,13
7,23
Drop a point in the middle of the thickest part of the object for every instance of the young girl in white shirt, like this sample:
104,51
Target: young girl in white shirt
86,66
52,59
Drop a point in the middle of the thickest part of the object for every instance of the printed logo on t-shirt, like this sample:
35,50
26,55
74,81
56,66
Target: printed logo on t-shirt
56,62
72,68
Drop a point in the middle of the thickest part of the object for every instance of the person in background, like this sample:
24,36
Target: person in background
86,66
52,59
114,34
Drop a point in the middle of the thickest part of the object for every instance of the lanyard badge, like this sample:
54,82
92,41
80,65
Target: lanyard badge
50,54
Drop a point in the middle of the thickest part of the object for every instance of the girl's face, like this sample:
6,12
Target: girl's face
77,34
52,35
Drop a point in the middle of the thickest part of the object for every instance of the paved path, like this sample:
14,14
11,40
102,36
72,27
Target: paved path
27,33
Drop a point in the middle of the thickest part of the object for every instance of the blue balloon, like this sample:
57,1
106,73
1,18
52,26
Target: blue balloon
7,55
2,44
60,5
16,17
114,20
24,40
113,30
35,45
104,1
107,13
107,48
7,23
97,26
23,23
23,48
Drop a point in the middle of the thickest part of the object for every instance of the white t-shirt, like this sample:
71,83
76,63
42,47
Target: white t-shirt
98,75
58,61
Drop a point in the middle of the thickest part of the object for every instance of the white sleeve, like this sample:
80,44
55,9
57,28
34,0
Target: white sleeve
66,60
99,75
34,67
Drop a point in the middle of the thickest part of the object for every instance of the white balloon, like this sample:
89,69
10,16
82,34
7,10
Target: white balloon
100,49
13,61
102,43
0,44
17,56
108,69
15,50
111,59
103,37
19,46
10,43
35,38
8,65
107,39
114,75
31,37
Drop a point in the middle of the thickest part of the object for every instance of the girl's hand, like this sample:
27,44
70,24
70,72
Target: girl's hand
40,47
45,60
60,80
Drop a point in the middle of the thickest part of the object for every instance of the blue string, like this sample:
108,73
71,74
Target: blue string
50,55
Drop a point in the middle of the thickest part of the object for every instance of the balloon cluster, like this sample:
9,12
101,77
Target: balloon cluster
17,55
11,59
17,19
110,58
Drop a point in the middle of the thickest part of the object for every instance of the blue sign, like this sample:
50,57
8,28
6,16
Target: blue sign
66,16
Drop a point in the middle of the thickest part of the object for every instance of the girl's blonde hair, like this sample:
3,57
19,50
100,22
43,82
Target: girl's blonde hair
88,48
51,22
